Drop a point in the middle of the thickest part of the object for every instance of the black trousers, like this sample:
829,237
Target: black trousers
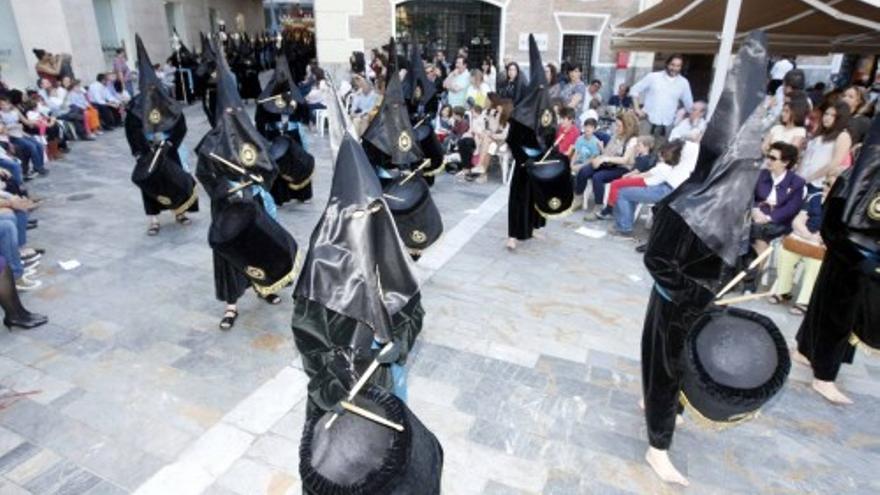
109,116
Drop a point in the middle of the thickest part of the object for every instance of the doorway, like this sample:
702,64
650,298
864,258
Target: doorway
449,25
578,49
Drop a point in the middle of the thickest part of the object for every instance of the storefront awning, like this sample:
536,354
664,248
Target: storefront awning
797,27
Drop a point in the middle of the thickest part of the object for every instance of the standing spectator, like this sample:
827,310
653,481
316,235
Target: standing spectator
586,147
122,71
513,85
778,72
553,87
28,149
574,93
860,113
48,65
616,159
828,149
790,128
441,64
457,83
490,75
662,92
693,126
816,94
621,100
478,89
593,91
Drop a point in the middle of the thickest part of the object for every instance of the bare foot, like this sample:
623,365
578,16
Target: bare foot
511,244
660,463
799,358
830,391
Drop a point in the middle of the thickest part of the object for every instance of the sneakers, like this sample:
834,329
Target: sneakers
605,213
30,257
25,284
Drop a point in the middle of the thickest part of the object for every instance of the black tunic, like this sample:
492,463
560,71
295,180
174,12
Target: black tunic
522,217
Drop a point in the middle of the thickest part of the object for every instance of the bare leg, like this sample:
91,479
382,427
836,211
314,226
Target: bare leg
799,358
660,463
830,391
511,243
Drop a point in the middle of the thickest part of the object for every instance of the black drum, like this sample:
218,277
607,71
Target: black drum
164,180
431,148
356,455
246,236
418,220
735,361
295,165
551,188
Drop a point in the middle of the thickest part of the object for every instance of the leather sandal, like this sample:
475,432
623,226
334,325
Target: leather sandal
228,320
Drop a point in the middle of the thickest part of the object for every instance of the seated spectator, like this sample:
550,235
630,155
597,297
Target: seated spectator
15,314
478,89
617,158
621,100
790,128
451,145
647,187
779,195
25,147
316,98
513,84
444,120
362,104
490,75
645,162
594,92
47,129
97,95
467,144
76,97
120,93
805,229
586,147
575,92
60,105
13,238
816,93
829,148
693,126
10,165
567,134
645,156
860,113
493,138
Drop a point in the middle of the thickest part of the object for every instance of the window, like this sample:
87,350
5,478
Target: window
449,25
578,49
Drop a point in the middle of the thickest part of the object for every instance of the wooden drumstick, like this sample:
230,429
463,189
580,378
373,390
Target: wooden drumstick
544,158
739,276
239,187
242,171
395,198
273,97
348,406
363,381
420,122
740,299
413,173
155,157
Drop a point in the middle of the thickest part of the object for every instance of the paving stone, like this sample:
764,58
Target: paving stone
10,488
105,488
64,478
35,466
20,454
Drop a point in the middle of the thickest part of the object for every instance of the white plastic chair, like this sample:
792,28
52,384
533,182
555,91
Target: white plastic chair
321,120
505,158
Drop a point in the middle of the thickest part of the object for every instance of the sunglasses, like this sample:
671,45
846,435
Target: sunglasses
773,158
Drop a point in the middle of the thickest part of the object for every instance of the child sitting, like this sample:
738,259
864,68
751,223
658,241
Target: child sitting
670,154
566,135
586,147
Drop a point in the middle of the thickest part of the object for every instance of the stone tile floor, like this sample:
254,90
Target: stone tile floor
527,369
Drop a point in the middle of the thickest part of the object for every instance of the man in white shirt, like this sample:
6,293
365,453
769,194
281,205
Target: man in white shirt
661,92
778,72
457,83
692,127
97,93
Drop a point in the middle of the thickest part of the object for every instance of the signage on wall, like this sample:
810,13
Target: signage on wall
540,38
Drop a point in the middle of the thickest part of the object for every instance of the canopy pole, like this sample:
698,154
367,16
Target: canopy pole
722,61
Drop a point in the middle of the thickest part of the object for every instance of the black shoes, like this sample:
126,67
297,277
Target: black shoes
26,322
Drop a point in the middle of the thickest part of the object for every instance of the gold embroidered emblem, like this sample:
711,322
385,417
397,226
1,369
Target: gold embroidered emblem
155,116
418,236
404,142
164,200
279,102
248,155
547,118
417,93
292,103
554,203
874,208
256,273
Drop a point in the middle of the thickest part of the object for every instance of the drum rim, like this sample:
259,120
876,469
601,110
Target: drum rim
762,392
395,461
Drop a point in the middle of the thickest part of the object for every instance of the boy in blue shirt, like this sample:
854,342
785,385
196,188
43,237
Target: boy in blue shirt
586,147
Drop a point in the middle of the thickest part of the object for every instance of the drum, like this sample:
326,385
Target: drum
295,164
798,246
356,455
735,361
164,180
431,148
552,189
418,220
246,236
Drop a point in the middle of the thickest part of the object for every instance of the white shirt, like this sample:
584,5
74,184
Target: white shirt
688,130
658,174
781,133
781,68
686,165
771,198
662,95
97,93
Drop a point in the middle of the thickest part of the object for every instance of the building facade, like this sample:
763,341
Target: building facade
91,30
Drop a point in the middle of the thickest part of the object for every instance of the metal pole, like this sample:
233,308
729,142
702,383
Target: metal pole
722,60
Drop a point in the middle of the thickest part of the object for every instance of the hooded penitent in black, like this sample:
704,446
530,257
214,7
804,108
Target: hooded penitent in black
533,117
153,117
686,249
206,73
185,62
235,140
357,284
844,305
418,91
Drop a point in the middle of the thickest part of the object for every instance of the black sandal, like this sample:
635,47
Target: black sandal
183,219
779,298
153,229
228,320
272,299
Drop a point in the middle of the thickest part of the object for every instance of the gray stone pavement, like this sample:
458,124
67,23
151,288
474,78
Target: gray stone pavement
527,369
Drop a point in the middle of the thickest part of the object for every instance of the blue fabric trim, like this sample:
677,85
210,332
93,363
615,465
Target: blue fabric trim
662,292
398,375
532,152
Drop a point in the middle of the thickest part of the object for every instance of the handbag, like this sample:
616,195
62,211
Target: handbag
799,246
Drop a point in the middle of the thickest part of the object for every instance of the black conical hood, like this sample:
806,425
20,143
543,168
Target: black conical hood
154,106
418,90
534,109
862,189
391,131
285,94
716,201
208,59
234,136
357,265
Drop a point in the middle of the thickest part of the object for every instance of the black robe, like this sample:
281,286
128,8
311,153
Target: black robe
685,271
522,217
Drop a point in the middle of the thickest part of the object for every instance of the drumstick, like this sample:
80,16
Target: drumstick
155,157
363,381
558,140
255,178
395,198
739,299
348,406
420,122
239,187
739,276
273,97
413,173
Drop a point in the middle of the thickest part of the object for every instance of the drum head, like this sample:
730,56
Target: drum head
737,352
548,171
279,147
404,198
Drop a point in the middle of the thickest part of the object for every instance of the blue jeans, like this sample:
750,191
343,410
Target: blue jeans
14,168
601,176
630,197
31,151
9,244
